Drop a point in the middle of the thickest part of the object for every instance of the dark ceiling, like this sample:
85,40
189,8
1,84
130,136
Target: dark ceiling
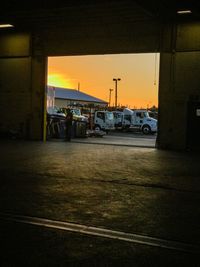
45,14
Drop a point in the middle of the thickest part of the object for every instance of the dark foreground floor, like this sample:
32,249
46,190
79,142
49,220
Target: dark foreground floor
134,190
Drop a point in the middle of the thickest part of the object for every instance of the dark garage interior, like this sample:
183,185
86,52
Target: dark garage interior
147,198
67,28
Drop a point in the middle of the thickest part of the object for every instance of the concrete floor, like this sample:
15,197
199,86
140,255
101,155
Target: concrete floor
130,189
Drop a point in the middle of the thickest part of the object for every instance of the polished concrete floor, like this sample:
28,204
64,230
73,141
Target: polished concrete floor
136,190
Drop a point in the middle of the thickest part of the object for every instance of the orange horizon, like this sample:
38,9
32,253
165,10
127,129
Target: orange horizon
94,75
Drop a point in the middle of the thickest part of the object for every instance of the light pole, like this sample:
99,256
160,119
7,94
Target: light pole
110,96
116,80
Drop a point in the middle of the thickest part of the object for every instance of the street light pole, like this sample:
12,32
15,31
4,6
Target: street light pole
116,80
110,96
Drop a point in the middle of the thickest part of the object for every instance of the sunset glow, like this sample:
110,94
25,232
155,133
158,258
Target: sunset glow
59,80
94,75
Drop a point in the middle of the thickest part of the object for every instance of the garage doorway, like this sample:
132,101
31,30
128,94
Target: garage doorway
116,83
193,125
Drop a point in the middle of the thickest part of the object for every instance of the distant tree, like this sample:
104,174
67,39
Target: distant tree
153,108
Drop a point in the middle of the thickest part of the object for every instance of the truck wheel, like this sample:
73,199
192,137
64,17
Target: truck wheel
146,129
97,128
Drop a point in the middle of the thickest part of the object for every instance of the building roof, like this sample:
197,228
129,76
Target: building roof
73,94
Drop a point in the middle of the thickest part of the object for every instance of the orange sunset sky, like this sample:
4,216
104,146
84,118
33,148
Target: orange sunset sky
94,74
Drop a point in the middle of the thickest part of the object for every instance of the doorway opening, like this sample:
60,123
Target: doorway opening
113,96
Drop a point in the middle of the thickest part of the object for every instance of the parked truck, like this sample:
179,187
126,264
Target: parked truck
76,112
137,119
104,120
55,111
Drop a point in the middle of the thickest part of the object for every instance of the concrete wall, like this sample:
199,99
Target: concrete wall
179,82
97,38
22,81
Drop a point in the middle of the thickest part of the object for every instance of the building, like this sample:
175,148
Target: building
63,97
41,30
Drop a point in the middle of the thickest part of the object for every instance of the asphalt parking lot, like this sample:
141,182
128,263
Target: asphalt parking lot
129,139
133,190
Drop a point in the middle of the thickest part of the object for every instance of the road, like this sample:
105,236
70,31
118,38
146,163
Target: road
122,139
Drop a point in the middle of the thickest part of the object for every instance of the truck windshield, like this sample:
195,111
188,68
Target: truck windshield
109,116
76,112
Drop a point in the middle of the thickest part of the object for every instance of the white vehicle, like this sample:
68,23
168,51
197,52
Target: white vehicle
140,119
103,120
77,115
118,119
55,111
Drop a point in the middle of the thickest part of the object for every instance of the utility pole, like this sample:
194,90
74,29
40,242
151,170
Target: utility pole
116,80
110,96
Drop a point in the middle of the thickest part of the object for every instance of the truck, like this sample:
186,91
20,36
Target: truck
118,119
76,112
103,120
77,116
55,111
137,119
123,119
